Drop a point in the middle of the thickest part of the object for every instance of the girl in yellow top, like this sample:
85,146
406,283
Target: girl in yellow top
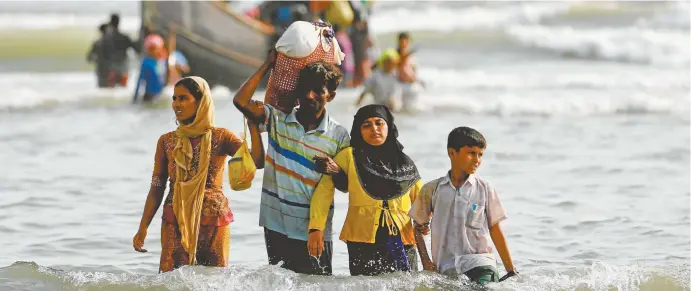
382,182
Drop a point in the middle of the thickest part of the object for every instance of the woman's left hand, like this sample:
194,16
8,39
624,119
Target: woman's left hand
326,165
138,241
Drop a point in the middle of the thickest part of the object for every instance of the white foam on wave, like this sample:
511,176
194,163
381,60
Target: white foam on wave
534,78
580,90
440,18
594,276
29,90
559,103
677,17
629,44
36,89
474,92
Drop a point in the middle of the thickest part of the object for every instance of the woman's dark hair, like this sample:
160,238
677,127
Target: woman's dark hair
463,136
191,86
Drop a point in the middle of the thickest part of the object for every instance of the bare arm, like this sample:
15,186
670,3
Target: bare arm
92,56
183,68
253,110
153,202
155,196
421,214
427,263
362,97
257,149
392,103
133,45
500,243
394,99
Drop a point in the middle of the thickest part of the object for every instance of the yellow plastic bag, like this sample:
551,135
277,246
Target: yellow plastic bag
340,13
241,167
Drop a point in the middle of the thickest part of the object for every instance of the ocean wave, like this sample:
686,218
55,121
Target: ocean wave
441,18
675,18
578,78
425,16
474,92
573,103
30,90
630,44
656,33
597,276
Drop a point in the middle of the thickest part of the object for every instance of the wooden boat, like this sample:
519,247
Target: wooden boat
221,45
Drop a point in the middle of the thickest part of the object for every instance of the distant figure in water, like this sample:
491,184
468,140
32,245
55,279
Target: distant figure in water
411,87
116,45
153,70
97,55
192,160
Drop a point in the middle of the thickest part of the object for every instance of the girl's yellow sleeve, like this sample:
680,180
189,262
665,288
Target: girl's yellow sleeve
323,195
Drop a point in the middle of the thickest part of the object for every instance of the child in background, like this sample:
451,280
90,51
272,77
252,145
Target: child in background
383,83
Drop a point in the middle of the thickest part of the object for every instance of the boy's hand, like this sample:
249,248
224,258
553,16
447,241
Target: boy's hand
428,266
512,273
326,165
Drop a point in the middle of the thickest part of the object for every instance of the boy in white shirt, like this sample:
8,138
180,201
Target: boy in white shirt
467,212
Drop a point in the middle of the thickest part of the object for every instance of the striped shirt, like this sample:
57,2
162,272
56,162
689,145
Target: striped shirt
289,171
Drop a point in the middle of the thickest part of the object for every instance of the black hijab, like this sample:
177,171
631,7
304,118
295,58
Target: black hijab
385,172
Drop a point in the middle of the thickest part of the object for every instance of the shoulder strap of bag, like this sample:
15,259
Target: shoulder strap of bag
244,129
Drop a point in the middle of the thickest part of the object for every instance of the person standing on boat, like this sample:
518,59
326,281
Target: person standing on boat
195,228
297,141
